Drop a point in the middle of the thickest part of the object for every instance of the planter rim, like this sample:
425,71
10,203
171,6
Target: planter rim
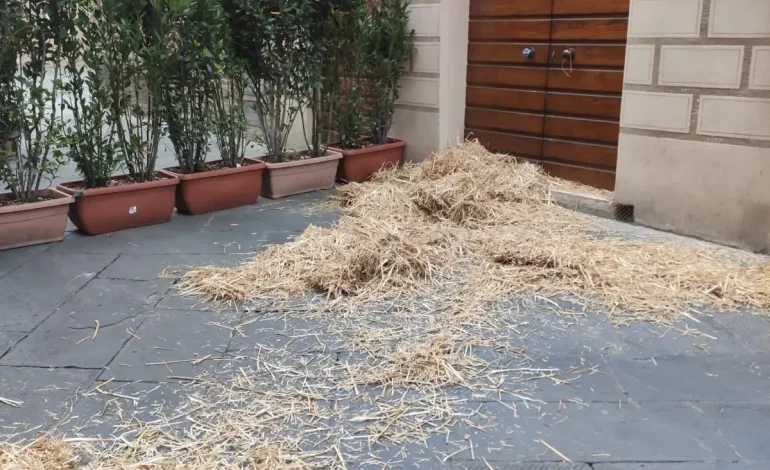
331,154
170,180
59,199
255,165
371,149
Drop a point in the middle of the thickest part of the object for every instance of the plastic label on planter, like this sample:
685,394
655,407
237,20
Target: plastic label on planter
132,210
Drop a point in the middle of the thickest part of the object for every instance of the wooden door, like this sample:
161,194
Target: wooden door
560,106
506,93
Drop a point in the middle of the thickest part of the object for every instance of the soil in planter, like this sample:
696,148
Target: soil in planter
366,142
209,167
117,181
293,157
18,202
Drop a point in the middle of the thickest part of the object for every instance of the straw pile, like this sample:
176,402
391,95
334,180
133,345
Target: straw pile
357,257
416,226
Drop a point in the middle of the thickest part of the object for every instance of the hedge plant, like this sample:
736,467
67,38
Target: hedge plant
386,47
30,93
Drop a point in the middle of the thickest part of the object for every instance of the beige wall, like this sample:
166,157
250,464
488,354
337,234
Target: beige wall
694,153
431,110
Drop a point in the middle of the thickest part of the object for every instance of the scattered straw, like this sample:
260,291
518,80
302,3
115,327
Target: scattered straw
554,450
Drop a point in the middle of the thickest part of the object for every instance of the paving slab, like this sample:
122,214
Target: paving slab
298,371
56,344
695,378
298,202
585,378
144,267
286,217
8,339
167,345
286,335
685,466
480,465
662,432
107,413
33,291
745,426
546,334
644,340
417,456
69,337
111,301
595,332
12,259
751,330
168,239
46,396
174,300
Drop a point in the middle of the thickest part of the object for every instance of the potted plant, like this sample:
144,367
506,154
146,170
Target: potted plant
111,89
384,45
203,67
29,125
275,40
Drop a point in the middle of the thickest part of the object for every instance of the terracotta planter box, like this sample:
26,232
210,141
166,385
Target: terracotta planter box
36,222
301,176
217,190
103,210
359,164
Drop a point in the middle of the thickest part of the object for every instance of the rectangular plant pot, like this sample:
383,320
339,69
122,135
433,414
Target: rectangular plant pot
208,191
300,176
120,207
34,223
358,165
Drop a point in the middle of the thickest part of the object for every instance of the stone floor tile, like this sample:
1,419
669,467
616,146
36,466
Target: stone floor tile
744,425
12,259
596,432
29,294
55,343
695,378
167,344
481,465
108,412
45,396
685,466
111,301
145,267
8,339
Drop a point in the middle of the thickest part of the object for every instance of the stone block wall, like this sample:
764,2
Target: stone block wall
694,153
430,111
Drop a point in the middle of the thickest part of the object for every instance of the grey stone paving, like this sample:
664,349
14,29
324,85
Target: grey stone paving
643,398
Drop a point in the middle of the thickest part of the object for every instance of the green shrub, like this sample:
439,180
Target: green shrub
91,137
190,66
30,90
385,46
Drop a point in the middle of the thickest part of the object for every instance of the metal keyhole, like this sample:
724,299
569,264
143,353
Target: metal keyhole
528,52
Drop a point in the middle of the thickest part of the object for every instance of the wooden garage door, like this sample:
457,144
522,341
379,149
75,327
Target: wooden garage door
561,105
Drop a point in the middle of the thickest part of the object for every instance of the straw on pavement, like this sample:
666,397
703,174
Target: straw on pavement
423,284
